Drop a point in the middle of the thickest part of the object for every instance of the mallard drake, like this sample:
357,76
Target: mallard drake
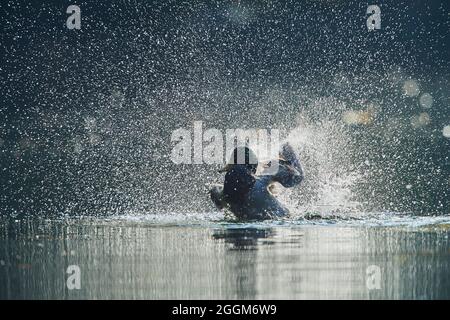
248,195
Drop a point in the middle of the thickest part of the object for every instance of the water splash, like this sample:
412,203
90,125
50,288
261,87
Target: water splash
88,115
325,148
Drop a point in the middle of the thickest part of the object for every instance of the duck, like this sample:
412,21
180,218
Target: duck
248,195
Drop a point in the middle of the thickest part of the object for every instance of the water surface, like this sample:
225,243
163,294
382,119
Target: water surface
138,258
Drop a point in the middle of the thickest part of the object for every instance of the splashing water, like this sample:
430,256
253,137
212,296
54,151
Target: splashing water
88,115
325,149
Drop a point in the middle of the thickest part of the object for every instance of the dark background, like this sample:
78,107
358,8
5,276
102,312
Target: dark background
86,115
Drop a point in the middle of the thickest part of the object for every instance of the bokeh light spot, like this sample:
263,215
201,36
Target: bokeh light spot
411,88
446,131
426,100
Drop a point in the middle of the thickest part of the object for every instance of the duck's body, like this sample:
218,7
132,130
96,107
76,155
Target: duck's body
248,196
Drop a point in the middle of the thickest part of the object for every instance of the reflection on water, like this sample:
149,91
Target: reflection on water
147,261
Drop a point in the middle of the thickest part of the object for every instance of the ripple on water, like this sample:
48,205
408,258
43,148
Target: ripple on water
217,219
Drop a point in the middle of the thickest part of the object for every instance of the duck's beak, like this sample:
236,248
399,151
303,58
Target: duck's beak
225,169
265,164
280,159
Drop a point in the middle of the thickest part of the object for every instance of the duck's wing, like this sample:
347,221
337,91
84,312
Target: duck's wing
216,194
290,156
289,171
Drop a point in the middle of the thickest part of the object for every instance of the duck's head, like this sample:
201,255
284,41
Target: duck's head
242,156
